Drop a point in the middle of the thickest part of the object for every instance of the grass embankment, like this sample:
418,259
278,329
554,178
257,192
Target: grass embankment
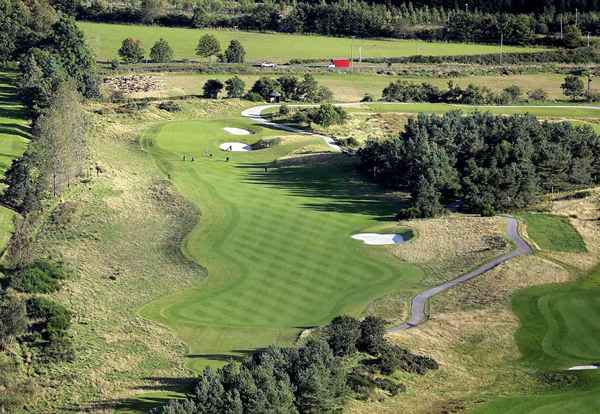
14,136
276,244
352,87
550,232
105,39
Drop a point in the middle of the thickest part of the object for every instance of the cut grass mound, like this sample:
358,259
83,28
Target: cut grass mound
105,39
550,232
276,244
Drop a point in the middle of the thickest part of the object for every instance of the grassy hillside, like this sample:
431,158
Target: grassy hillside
106,39
276,243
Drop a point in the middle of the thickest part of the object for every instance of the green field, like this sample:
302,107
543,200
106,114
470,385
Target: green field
14,135
351,87
276,244
105,39
555,233
551,111
560,328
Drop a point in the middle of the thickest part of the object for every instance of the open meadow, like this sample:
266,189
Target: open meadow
105,40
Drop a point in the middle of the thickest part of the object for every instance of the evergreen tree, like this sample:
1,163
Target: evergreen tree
161,52
235,52
208,46
235,87
131,50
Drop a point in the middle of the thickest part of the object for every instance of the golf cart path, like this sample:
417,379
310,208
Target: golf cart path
255,115
418,303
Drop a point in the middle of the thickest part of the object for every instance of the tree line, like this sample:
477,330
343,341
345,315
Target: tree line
488,163
317,377
56,70
364,19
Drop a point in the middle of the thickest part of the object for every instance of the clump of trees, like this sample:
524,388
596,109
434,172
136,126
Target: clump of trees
290,88
324,115
404,91
313,378
491,163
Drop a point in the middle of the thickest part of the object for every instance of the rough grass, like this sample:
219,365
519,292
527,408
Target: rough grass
276,243
122,232
550,232
105,40
351,87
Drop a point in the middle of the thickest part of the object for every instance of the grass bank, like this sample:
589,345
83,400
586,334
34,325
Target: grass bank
550,232
105,39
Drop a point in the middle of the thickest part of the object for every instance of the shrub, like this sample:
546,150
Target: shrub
361,383
212,88
55,316
284,110
537,95
327,115
368,98
41,276
254,97
13,319
235,52
393,357
572,87
169,106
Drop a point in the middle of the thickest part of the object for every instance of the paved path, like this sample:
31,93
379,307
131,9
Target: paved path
255,115
417,309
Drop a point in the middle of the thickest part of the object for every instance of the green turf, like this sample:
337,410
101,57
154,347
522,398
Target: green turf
542,111
106,39
552,232
14,136
560,328
276,244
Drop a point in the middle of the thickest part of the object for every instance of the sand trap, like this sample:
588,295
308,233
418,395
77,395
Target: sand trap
237,131
235,146
379,239
583,367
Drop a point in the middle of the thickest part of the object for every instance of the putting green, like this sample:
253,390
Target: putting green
275,244
560,328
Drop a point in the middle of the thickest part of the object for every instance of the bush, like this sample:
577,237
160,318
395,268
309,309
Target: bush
284,110
537,95
56,318
131,50
368,98
327,115
392,357
254,97
161,52
41,276
342,335
212,88
169,106
372,331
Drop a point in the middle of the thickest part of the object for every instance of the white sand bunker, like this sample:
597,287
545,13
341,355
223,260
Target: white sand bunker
235,146
236,131
583,367
377,239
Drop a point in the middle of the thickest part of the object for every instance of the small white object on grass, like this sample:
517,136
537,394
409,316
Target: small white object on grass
235,147
236,131
377,239
583,367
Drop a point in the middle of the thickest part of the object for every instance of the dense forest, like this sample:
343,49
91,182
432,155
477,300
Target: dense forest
488,163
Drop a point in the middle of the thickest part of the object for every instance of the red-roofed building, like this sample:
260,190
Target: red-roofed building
340,63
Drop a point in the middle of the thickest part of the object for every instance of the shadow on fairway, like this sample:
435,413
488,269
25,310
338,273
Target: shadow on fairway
335,187
166,388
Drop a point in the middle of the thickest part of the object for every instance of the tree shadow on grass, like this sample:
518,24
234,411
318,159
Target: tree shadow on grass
334,186
237,355
151,396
